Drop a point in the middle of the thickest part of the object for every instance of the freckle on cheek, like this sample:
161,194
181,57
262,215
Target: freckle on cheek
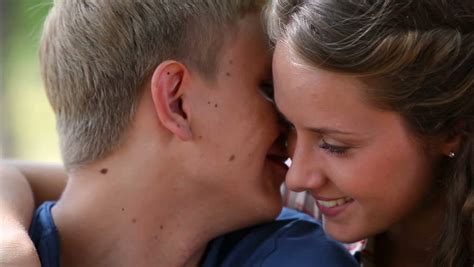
215,105
232,157
104,171
134,220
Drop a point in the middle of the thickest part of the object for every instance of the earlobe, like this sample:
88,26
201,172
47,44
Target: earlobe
450,146
167,91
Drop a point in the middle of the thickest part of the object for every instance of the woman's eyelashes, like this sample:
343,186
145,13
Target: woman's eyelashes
333,149
266,88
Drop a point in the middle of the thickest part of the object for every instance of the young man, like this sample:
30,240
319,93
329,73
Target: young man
167,140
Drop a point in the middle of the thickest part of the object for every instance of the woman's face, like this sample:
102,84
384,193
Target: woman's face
364,168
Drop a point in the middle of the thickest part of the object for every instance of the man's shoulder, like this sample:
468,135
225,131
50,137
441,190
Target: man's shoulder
45,236
291,215
293,239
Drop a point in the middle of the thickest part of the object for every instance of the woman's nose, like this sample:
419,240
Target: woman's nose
305,172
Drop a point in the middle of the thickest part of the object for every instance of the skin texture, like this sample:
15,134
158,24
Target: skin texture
347,148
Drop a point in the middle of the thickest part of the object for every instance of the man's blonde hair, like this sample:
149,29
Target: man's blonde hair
96,55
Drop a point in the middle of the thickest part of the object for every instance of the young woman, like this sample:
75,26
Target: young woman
381,96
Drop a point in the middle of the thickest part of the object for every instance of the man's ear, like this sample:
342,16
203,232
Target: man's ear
167,91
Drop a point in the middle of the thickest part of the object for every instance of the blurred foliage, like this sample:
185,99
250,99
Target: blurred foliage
29,120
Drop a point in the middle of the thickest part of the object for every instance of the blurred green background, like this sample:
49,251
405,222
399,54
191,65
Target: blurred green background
27,129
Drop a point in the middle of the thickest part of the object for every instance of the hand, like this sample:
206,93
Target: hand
16,247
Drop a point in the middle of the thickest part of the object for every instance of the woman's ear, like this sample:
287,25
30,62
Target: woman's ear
167,91
451,143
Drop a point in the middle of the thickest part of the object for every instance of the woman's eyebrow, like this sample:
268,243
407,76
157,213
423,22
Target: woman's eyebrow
319,130
325,130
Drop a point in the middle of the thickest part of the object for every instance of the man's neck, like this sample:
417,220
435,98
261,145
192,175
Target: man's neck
112,220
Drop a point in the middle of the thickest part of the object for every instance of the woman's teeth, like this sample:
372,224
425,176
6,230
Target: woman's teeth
334,203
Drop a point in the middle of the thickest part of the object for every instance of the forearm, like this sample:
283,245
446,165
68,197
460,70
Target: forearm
16,209
47,181
16,197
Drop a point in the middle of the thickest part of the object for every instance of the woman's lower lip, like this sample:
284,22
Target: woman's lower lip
333,211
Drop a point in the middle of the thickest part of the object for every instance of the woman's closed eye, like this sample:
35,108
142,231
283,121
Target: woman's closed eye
333,149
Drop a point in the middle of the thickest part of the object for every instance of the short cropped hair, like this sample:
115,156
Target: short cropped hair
96,55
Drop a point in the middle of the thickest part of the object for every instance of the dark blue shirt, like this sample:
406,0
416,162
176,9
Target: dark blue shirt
45,236
292,240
